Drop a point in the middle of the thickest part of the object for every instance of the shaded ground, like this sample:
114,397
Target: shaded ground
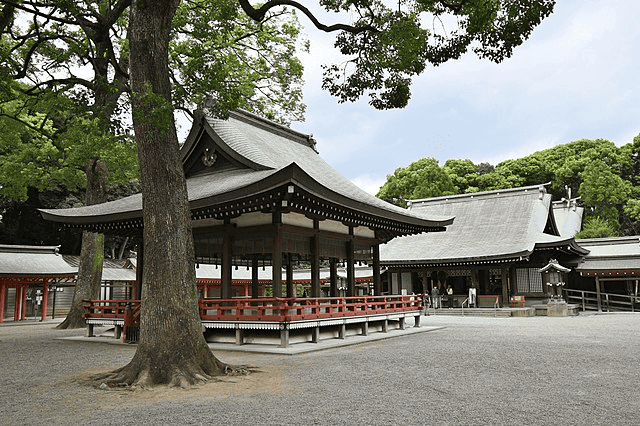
526,371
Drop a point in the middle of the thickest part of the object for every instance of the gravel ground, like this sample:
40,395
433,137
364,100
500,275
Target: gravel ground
475,371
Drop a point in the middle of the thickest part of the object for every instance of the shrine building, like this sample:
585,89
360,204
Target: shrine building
30,269
261,195
497,245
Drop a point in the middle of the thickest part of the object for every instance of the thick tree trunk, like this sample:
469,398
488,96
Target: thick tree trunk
172,349
91,252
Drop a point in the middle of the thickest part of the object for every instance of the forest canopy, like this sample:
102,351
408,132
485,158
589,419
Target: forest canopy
604,176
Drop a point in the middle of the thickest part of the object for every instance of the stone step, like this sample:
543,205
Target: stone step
485,312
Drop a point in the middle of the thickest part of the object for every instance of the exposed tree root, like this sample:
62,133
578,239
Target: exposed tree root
73,320
140,374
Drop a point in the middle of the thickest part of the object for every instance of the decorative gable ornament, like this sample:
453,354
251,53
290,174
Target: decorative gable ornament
209,157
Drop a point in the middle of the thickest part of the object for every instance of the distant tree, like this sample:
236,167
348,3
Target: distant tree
604,191
597,227
421,179
464,175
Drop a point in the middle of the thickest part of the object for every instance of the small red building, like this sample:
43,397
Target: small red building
29,269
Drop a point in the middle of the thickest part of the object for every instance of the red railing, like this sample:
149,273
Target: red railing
109,308
296,309
129,310
268,308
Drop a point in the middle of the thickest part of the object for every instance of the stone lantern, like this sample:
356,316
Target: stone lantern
553,275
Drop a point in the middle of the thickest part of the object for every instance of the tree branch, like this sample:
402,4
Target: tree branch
259,14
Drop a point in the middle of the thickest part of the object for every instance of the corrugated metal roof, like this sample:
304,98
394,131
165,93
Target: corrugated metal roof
33,261
489,226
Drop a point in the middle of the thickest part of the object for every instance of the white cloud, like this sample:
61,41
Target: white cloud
369,183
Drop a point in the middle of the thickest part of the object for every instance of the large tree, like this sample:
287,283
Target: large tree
386,46
421,179
217,54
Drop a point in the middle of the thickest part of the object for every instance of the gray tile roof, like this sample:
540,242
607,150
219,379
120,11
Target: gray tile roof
489,226
610,254
568,217
264,155
33,261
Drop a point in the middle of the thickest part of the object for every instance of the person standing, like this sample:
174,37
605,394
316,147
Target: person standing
472,296
435,294
450,297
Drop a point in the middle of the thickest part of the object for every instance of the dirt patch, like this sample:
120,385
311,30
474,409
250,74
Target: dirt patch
268,381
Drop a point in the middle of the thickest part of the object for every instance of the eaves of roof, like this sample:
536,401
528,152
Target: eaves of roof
490,227
237,185
33,261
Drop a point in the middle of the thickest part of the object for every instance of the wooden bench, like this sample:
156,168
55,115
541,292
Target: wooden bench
517,301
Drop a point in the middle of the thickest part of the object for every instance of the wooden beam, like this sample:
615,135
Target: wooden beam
315,261
505,286
333,277
255,284
291,291
598,295
45,298
377,282
226,267
351,281
3,295
276,262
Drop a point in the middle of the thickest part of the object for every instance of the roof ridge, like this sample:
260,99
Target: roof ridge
272,126
486,194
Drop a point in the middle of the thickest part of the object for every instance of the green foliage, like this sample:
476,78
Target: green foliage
597,227
224,60
604,176
388,44
47,151
59,118
463,174
421,179
604,191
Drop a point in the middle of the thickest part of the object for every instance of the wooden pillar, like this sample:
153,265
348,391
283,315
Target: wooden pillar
255,283
351,283
377,282
3,297
276,261
45,299
315,264
291,291
23,315
399,274
598,296
333,277
18,303
226,267
505,286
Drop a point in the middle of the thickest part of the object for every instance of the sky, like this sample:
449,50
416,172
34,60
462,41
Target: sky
576,77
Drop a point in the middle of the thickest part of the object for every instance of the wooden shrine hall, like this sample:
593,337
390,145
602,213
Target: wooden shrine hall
261,195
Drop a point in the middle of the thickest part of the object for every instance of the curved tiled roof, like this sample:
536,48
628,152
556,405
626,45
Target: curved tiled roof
33,261
611,254
260,155
276,147
490,226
